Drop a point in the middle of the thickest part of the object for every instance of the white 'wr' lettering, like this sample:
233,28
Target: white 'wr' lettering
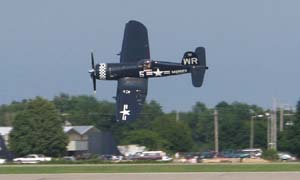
190,61
194,60
186,61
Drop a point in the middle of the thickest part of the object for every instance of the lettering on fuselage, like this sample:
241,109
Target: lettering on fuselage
180,71
157,73
151,73
142,73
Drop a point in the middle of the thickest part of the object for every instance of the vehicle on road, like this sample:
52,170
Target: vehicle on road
166,158
286,156
110,157
32,158
254,152
2,161
151,155
69,158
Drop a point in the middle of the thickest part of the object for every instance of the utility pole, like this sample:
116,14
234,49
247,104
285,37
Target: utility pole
216,125
251,141
252,132
273,127
269,130
281,121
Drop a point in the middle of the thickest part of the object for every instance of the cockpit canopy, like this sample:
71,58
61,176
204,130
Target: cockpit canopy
145,63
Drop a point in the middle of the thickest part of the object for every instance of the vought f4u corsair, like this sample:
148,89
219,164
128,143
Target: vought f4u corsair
136,67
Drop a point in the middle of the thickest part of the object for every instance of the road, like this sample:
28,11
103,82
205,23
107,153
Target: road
158,176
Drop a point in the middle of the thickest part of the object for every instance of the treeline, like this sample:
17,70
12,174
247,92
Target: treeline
174,131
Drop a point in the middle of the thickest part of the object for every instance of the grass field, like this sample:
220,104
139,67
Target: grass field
142,168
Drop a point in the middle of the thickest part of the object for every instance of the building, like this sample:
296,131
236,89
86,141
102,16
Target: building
4,133
79,139
82,139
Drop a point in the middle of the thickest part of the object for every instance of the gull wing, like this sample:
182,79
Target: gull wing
135,45
131,95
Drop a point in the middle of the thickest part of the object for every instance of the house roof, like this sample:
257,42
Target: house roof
79,129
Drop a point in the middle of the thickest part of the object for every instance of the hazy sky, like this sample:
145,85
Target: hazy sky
253,48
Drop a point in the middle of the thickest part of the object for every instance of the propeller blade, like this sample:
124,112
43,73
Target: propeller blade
92,58
92,72
94,84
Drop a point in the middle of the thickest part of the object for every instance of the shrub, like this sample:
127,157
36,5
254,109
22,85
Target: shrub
270,154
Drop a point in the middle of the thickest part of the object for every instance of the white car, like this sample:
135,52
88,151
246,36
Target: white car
286,157
2,161
32,158
166,158
253,152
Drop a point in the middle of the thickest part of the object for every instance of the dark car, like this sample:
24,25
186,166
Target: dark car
207,155
106,157
110,157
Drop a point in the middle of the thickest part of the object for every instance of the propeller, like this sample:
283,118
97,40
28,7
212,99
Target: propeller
92,72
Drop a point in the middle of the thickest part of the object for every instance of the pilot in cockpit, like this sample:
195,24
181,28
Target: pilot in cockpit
147,64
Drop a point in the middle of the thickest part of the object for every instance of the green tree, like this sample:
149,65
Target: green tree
289,139
201,123
8,112
177,134
150,139
234,126
38,129
85,110
149,113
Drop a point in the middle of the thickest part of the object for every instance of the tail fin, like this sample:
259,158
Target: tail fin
197,61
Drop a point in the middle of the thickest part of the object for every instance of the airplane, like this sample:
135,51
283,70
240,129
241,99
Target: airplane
136,67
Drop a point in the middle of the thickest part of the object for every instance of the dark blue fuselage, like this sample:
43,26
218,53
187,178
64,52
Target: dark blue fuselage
142,69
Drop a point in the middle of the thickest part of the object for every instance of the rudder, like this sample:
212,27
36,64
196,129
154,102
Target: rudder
198,70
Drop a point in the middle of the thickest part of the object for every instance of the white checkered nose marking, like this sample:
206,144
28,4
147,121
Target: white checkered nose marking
102,71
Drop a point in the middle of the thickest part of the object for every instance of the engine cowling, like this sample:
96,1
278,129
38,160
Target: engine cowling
101,71
115,71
